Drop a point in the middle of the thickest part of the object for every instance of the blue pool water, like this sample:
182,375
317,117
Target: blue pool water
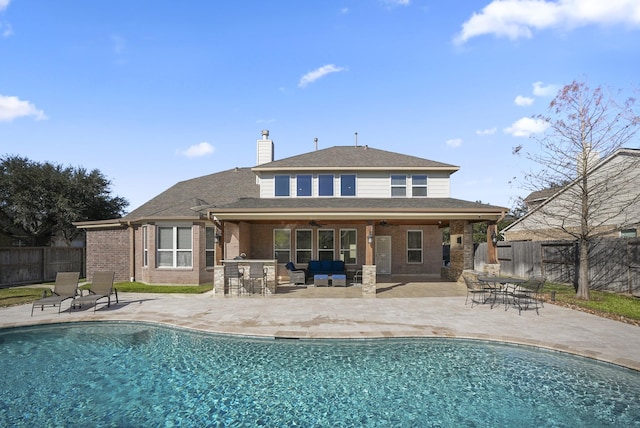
135,375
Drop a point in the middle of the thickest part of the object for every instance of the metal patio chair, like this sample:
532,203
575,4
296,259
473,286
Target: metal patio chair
234,277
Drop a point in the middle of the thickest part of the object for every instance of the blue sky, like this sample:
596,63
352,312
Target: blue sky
156,92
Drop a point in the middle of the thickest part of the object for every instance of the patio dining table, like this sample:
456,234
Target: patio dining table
500,286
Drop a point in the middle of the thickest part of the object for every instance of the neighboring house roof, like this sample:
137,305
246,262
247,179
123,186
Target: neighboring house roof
540,195
354,157
547,196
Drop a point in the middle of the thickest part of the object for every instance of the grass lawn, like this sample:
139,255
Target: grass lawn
609,305
137,287
19,295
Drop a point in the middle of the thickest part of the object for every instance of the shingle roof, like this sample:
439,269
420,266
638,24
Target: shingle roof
320,204
186,198
361,157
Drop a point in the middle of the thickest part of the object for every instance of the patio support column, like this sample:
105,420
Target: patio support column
492,267
369,267
369,233
492,249
218,281
219,243
461,248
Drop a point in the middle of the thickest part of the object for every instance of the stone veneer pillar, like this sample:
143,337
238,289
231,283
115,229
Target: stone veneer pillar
461,254
218,281
369,280
492,269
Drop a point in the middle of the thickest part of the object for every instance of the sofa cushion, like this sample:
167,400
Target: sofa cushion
337,266
314,266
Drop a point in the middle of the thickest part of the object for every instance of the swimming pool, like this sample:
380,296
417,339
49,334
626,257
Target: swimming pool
130,374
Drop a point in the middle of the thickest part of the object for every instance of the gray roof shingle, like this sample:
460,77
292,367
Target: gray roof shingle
321,204
183,199
360,157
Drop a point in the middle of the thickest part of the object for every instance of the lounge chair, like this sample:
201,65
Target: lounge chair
66,287
101,288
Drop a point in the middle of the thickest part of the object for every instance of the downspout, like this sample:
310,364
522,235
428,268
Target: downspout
132,252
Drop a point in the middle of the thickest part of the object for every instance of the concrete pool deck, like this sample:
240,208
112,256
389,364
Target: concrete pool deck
431,309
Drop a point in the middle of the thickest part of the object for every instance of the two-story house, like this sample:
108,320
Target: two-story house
611,206
365,206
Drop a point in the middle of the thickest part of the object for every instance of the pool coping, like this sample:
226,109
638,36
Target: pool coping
556,328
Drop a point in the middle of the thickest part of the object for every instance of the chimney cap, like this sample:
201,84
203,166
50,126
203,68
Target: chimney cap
265,133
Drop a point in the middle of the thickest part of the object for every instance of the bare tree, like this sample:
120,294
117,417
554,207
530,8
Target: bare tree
595,177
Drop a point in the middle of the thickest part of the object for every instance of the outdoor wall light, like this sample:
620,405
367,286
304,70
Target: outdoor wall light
217,237
494,238
370,238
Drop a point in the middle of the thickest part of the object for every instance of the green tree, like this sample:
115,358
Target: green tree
44,199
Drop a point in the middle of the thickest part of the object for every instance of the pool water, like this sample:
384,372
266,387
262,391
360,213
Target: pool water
134,375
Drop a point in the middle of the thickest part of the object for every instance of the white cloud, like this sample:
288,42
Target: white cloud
542,90
12,108
198,150
516,19
454,142
523,101
5,29
527,126
118,43
316,74
393,3
489,131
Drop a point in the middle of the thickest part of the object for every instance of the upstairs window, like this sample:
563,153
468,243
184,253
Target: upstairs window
398,185
419,185
348,185
325,185
282,185
628,233
303,185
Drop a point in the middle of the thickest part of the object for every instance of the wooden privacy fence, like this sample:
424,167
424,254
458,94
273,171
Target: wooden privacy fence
614,264
32,265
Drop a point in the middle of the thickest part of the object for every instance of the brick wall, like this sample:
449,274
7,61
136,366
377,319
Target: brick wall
108,249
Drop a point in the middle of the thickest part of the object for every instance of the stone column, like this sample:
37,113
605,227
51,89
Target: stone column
461,234
271,277
218,281
369,281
